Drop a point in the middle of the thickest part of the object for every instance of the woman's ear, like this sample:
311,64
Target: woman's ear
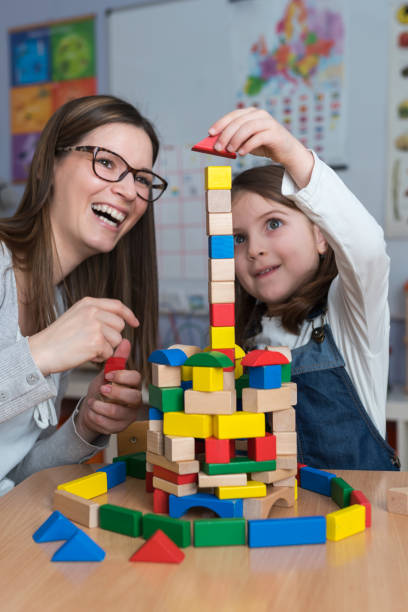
321,242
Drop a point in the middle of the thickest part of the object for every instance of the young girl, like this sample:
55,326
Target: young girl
82,241
312,274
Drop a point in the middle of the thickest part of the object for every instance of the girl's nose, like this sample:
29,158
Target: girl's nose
255,250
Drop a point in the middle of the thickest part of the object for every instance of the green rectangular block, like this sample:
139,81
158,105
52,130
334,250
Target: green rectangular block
135,464
178,530
120,520
166,399
286,372
340,492
239,465
220,532
241,383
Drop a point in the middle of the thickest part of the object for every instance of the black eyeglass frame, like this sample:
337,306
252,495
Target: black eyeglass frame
95,149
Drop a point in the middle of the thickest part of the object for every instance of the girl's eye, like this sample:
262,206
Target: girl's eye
238,239
273,224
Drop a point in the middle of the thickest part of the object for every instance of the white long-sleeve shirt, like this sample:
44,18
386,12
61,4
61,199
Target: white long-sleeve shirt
357,309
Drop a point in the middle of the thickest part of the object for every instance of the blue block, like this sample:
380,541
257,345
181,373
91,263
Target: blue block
265,377
316,480
225,508
287,531
170,357
56,527
115,472
79,548
221,247
187,384
155,414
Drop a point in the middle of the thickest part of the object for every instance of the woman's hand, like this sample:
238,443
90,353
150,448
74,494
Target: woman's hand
111,406
253,130
88,331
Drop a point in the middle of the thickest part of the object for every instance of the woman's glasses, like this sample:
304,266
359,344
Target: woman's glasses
111,167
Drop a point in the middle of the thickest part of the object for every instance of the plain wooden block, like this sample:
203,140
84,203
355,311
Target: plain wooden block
287,482
285,350
188,349
260,508
133,438
216,402
293,388
221,269
174,489
155,442
179,448
218,200
221,292
397,500
179,467
286,462
155,425
219,224
265,400
284,420
286,443
273,476
229,381
166,376
206,481
77,508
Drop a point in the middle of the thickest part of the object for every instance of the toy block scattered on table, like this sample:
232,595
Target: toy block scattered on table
115,473
358,497
340,491
135,464
179,479
221,247
218,201
56,527
283,420
251,489
159,548
218,177
176,529
121,520
179,448
206,481
238,465
221,292
155,442
345,522
179,467
207,146
175,489
215,402
166,399
286,531
273,476
76,508
219,451
397,500
221,269
165,376
222,315
260,508
286,443
228,508
188,425
222,337
266,400
222,532
160,501
87,486
80,547
239,425
286,462
262,449
316,480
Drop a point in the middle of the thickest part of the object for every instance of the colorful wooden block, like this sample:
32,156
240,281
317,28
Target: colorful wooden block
135,464
207,146
169,357
397,500
166,399
121,520
179,448
217,402
251,489
115,473
56,527
286,443
345,522
207,379
286,372
159,548
179,467
160,501
218,201
186,385
178,506
188,425
241,383
149,481
173,488
315,480
88,486
221,292
266,400
221,247
239,425
155,442
222,337
358,497
221,269
265,377
218,177
189,350
263,448
155,414
273,476
176,529
222,315
166,376
206,481
283,420
238,465
220,532
210,359
161,472
287,531
219,451
80,547
75,508
340,491
230,353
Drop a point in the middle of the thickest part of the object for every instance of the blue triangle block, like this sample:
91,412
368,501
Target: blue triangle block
56,527
79,548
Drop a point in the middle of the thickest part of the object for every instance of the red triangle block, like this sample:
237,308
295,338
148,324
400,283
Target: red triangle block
207,146
159,549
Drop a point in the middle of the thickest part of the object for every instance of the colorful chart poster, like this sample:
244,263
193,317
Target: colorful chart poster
49,65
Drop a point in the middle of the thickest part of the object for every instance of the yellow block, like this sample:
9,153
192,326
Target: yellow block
87,486
239,425
190,425
218,177
186,372
251,489
296,489
345,522
222,337
207,379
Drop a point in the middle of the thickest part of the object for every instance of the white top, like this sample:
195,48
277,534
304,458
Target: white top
358,311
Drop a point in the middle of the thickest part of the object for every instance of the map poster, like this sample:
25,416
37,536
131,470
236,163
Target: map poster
294,67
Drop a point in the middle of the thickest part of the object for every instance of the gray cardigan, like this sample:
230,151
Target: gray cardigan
22,387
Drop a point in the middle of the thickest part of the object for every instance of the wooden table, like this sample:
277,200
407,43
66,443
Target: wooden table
366,572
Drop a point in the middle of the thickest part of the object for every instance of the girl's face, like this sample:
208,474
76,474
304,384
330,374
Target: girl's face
79,196
276,247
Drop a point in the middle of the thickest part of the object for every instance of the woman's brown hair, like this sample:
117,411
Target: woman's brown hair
127,273
266,181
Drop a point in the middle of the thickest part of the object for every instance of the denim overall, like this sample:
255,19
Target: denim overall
333,429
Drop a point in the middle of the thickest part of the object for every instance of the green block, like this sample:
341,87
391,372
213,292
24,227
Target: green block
286,372
241,383
209,359
178,530
219,532
166,399
135,464
340,492
239,465
121,520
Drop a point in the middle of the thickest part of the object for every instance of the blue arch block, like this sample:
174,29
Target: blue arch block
225,508
170,357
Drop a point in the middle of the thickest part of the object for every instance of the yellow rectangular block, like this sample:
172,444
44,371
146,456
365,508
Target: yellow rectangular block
216,402
218,177
238,425
251,489
345,522
222,337
219,224
207,379
221,292
87,486
218,200
188,425
221,269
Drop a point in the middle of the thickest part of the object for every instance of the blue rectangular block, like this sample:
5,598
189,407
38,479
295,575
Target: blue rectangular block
287,531
316,480
265,377
155,414
221,247
187,384
115,472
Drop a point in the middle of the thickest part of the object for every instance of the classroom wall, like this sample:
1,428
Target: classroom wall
367,112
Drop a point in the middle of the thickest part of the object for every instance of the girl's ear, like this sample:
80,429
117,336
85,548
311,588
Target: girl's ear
321,242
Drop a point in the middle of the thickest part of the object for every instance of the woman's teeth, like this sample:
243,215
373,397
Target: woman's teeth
111,215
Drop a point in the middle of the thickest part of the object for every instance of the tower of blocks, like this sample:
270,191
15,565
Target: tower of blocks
222,427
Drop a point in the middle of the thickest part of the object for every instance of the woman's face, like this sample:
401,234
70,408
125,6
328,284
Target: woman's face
88,214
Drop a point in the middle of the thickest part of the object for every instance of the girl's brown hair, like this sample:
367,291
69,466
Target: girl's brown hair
266,181
127,273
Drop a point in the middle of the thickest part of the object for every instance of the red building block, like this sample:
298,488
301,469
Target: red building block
229,352
160,502
262,449
207,146
222,315
218,451
299,466
149,482
159,549
357,497
161,472
114,363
